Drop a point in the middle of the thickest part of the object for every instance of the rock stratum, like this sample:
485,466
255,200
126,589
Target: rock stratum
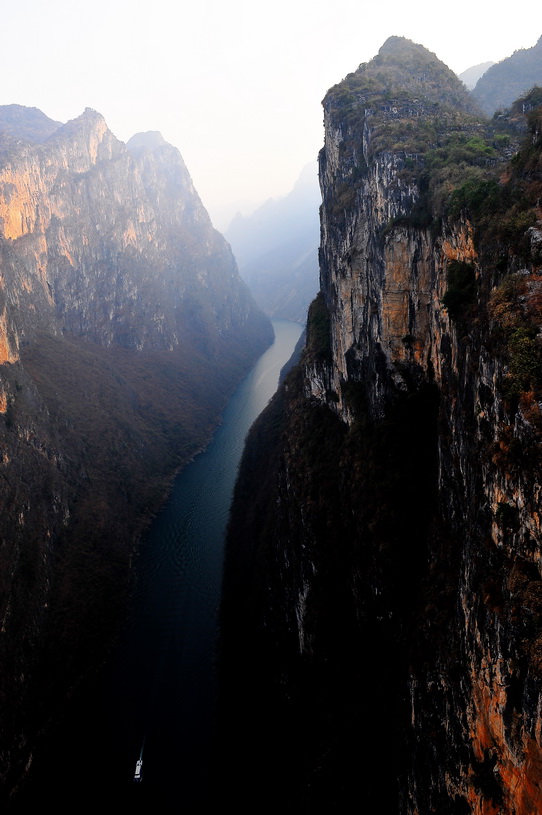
383,587
124,327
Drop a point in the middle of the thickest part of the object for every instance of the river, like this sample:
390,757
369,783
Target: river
160,688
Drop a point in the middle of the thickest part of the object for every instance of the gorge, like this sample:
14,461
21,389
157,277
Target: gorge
380,642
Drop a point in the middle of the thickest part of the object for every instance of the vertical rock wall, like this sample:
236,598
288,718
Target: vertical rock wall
475,680
406,534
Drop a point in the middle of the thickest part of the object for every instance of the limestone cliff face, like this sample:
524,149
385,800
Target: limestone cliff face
116,242
406,543
384,284
382,281
124,326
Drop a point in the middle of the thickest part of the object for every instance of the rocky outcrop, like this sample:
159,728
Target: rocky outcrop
124,326
393,577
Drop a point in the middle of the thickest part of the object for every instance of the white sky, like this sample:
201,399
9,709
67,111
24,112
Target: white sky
235,85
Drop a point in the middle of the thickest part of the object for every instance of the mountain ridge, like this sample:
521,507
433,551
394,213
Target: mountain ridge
509,79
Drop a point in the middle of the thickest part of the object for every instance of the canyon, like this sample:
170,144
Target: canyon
380,626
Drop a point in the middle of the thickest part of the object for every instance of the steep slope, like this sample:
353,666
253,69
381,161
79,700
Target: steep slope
509,79
382,567
277,249
124,326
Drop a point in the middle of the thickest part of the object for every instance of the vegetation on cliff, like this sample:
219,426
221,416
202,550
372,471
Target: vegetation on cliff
417,109
401,71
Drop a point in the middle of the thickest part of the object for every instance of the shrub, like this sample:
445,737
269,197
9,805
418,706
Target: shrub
319,330
525,360
515,309
461,291
475,195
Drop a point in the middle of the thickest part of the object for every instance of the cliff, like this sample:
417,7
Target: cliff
383,559
124,327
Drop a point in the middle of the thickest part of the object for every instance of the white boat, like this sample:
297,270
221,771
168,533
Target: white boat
139,765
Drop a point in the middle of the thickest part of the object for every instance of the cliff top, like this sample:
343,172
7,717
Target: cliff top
404,70
89,120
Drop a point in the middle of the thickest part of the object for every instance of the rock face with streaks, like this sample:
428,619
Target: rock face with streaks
115,240
124,326
386,578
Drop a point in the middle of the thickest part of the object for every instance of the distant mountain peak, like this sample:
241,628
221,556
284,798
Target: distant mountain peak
471,76
89,118
509,79
149,140
27,123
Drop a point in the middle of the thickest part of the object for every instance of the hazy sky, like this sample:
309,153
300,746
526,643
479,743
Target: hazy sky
235,85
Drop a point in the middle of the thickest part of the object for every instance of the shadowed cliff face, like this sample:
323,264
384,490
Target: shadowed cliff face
124,327
393,579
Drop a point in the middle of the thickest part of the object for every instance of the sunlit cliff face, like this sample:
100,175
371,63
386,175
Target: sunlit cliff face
102,228
34,177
